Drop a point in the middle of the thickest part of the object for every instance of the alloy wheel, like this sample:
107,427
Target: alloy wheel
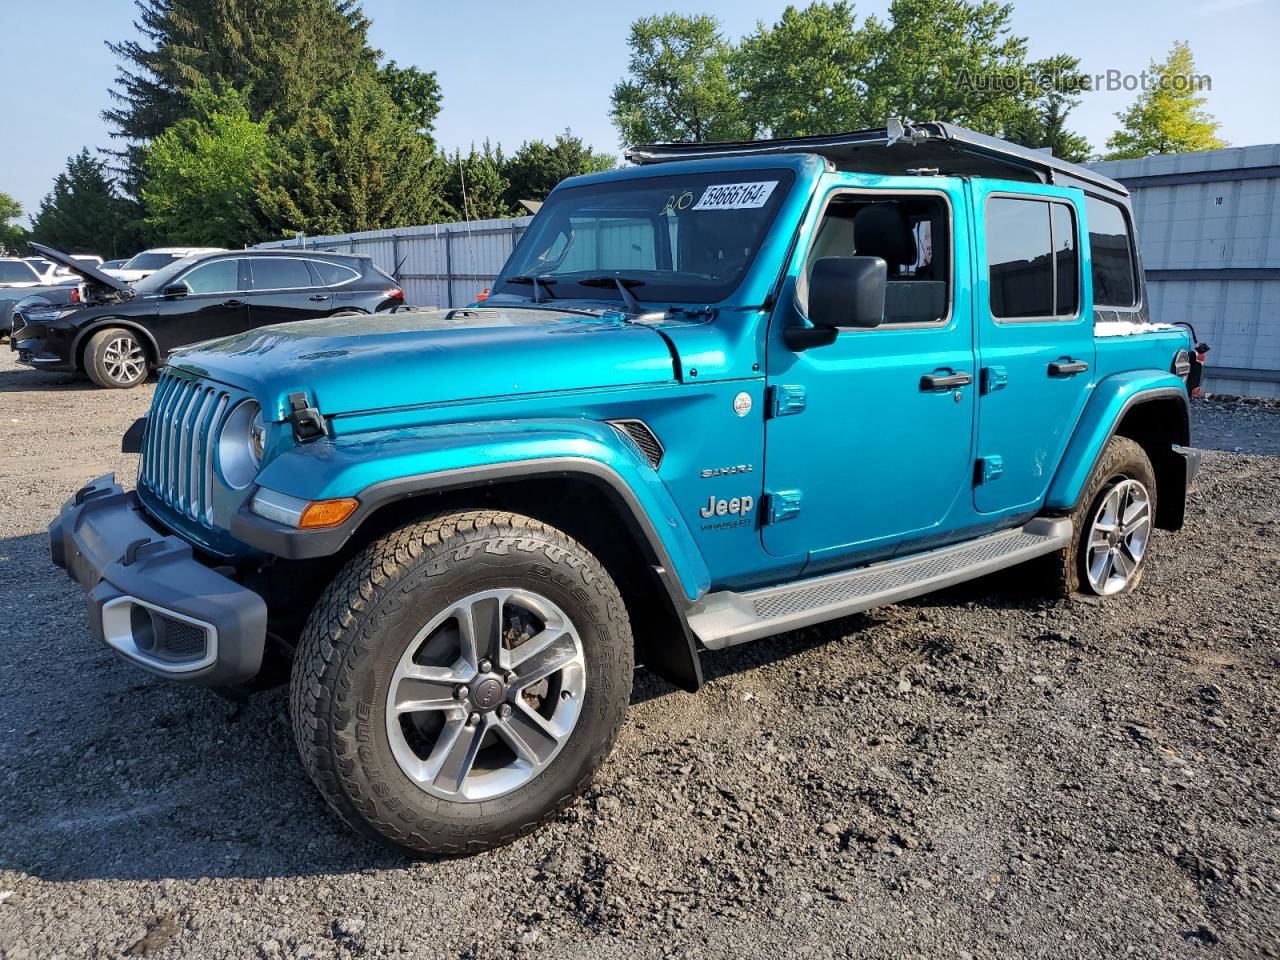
124,360
1118,537
486,695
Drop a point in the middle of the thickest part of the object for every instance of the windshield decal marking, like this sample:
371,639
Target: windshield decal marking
681,202
736,196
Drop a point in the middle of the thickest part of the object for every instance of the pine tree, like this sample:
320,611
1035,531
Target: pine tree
1043,125
84,213
1166,117
475,186
284,55
533,171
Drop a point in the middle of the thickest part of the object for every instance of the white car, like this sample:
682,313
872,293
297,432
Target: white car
149,261
15,272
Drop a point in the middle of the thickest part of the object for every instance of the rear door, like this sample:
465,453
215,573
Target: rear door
286,289
1035,338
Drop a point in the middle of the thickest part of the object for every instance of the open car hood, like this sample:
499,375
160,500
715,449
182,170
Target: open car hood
75,266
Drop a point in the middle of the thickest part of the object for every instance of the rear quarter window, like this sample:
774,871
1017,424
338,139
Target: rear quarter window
333,274
1113,265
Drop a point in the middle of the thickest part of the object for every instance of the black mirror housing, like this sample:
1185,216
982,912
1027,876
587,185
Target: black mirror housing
175,290
847,292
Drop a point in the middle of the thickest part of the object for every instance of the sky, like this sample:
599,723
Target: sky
512,70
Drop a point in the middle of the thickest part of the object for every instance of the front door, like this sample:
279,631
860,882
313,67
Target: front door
869,440
215,305
1035,338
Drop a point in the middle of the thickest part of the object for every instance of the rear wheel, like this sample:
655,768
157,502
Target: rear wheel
461,680
116,359
1113,523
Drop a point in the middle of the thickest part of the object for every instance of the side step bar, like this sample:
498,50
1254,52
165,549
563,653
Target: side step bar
725,618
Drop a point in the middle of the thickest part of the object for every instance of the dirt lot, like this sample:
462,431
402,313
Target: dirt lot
978,774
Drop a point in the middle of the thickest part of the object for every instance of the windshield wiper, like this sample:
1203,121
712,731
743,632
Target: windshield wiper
623,285
538,284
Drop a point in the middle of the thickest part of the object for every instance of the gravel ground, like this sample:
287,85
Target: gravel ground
981,773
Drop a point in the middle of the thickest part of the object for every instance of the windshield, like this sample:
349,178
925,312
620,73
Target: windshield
162,278
678,239
149,261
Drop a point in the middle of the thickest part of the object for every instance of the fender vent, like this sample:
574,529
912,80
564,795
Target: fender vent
638,432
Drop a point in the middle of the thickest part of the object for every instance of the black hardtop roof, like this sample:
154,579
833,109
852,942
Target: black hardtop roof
900,147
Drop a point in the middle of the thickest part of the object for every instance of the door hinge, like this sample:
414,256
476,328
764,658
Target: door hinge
994,378
783,505
988,469
786,399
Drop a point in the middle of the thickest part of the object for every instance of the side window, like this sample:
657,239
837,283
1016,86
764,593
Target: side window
1111,255
280,273
220,276
333,274
911,233
1033,259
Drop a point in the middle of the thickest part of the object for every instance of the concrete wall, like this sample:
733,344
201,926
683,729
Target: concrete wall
1209,228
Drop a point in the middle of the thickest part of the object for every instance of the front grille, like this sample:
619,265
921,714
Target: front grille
18,323
179,444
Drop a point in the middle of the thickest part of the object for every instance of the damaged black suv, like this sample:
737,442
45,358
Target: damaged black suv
119,333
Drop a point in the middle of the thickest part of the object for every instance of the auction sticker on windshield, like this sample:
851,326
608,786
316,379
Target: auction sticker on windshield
736,196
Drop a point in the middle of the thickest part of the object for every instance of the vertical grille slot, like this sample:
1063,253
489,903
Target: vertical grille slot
180,442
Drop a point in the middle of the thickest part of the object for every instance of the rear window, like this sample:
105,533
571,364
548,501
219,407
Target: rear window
1111,251
332,274
280,273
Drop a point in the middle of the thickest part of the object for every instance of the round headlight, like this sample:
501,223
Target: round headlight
240,445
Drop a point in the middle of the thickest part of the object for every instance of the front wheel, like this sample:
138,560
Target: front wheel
461,681
114,358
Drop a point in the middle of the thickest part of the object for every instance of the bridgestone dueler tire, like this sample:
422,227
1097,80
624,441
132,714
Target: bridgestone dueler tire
359,629
1121,459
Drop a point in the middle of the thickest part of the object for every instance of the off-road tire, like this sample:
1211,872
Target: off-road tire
362,625
99,363
1122,459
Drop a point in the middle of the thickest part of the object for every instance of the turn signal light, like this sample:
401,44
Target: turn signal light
327,513
393,293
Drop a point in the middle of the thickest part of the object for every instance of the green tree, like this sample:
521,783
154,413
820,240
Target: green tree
352,163
84,213
286,55
13,239
1043,124
678,85
203,173
951,60
534,170
415,92
476,187
806,73
1167,116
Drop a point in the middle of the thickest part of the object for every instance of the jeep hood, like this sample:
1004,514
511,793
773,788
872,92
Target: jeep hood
412,357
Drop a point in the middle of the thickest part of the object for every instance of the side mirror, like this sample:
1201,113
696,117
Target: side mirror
176,290
843,292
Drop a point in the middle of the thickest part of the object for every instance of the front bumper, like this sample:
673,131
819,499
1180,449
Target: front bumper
150,599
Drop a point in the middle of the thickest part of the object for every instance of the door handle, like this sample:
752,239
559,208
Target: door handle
318,298
945,381
1067,368
233,303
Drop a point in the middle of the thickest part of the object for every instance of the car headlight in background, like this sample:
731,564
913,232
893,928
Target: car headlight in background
240,445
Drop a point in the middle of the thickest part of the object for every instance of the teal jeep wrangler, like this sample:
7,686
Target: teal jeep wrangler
728,391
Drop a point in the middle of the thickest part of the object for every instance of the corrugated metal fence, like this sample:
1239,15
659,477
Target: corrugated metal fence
1209,225
442,264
